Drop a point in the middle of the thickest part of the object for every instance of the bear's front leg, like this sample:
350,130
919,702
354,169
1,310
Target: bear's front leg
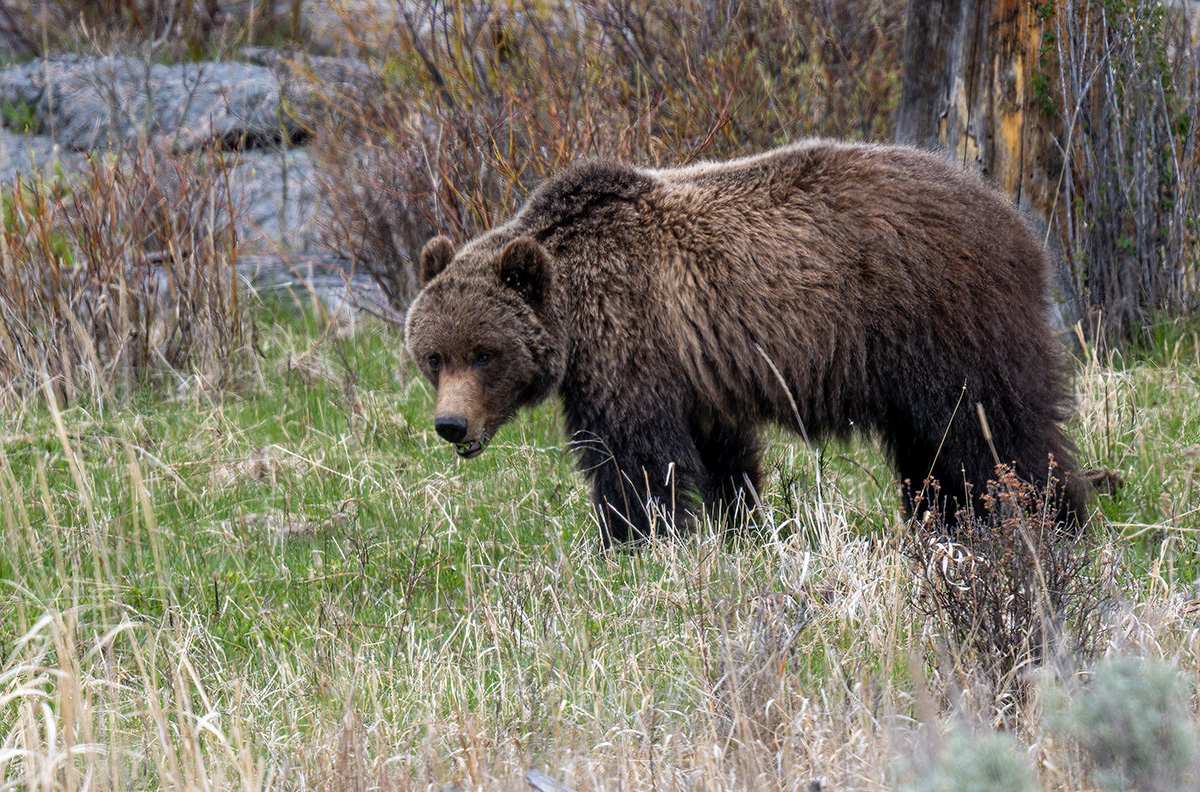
730,456
644,477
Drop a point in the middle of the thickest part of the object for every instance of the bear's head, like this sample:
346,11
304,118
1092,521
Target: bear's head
486,330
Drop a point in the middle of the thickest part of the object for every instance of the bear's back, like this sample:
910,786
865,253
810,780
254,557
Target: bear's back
820,251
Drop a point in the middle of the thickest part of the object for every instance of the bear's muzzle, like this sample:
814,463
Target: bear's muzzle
459,417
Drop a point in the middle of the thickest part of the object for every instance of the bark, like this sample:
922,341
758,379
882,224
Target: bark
973,84
1083,112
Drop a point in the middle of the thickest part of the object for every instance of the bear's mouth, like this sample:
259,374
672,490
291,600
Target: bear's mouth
471,449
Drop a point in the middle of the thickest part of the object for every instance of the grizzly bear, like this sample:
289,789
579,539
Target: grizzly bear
825,287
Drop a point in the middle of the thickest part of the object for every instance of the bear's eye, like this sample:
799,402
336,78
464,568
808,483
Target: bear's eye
435,362
482,359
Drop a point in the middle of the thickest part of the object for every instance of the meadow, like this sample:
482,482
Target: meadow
237,557
296,584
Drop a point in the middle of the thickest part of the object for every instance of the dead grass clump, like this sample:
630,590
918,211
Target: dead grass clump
284,525
477,103
752,696
180,29
263,464
1007,590
121,276
311,368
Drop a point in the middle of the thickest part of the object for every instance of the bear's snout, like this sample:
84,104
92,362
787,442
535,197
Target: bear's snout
461,415
452,428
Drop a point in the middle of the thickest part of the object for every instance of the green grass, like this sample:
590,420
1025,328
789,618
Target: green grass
20,116
298,584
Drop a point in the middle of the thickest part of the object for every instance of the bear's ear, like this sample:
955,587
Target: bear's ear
525,268
434,257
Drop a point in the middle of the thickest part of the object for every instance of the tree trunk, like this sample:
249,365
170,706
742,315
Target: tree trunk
1083,112
974,85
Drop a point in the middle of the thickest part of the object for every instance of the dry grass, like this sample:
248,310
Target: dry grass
350,609
121,276
176,29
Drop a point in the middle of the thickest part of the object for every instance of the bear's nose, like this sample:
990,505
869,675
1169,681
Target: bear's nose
452,428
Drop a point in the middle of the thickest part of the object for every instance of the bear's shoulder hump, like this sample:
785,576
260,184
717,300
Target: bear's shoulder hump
584,187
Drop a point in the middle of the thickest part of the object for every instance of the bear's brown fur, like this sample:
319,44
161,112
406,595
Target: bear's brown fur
825,287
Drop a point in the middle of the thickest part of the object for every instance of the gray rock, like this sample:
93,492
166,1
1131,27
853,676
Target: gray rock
105,102
226,101
278,200
23,84
98,102
87,103
315,84
27,155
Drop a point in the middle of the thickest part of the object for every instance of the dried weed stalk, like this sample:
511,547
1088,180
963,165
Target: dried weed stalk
114,278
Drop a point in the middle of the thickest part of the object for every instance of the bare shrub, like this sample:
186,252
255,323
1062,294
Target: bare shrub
48,26
120,275
478,103
1008,589
1129,75
178,29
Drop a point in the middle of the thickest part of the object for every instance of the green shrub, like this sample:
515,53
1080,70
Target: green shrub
968,763
1134,722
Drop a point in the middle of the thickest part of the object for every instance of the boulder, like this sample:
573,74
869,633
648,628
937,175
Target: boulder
238,104
27,155
315,85
21,86
278,199
112,101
